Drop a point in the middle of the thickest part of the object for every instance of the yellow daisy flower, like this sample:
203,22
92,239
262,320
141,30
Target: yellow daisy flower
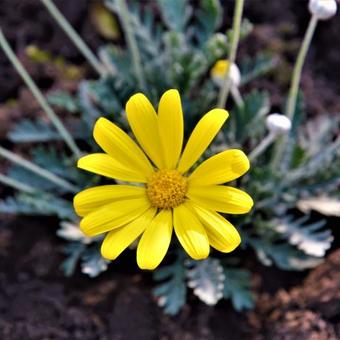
168,196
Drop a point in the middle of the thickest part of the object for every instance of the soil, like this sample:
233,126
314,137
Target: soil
38,302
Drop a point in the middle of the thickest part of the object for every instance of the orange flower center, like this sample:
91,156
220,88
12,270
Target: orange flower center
166,189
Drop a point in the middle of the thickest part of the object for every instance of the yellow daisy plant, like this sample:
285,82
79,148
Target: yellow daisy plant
163,195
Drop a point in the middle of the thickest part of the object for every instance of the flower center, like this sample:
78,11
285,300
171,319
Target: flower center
166,189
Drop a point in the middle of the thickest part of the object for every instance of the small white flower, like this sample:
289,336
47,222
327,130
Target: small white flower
278,124
219,70
322,9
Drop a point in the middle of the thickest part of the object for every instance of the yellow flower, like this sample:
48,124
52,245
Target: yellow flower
168,196
220,69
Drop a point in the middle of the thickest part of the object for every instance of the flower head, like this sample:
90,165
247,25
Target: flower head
278,124
322,9
163,194
220,69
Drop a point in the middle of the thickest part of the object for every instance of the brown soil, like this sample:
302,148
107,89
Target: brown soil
308,311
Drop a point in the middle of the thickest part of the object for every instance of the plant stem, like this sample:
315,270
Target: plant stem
264,144
124,17
37,170
224,92
16,184
74,36
236,96
38,95
294,86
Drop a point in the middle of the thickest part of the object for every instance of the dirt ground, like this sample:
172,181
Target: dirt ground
38,302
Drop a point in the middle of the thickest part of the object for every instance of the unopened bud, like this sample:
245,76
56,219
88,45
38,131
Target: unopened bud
278,124
322,9
220,69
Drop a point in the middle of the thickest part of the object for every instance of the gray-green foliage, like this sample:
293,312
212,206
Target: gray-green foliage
237,287
206,278
172,291
179,44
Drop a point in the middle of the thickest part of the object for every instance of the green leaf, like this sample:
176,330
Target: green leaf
248,120
103,94
209,17
316,133
215,48
34,131
54,161
324,159
299,115
73,251
63,100
171,293
175,13
144,26
206,278
87,106
38,204
237,287
92,263
310,238
13,205
245,29
70,231
252,68
49,205
284,255
27,177
29,131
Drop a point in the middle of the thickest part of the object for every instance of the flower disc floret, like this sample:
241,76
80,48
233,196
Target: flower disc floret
166,189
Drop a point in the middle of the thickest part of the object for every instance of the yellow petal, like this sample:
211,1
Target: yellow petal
190,232
121,147
222,235
155,241
143,121
117,240
223,167
221,198
105,165
204,132
113,215
91,199
170,122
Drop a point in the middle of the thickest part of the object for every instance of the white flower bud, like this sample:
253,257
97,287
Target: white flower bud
219,70
322,9
278,124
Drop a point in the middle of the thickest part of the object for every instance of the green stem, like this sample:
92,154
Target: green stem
37,170
294,88
264,144
74,36
124,17
237,96
38,95
16,184
224,92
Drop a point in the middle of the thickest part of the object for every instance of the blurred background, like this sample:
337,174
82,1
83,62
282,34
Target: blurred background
38,302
